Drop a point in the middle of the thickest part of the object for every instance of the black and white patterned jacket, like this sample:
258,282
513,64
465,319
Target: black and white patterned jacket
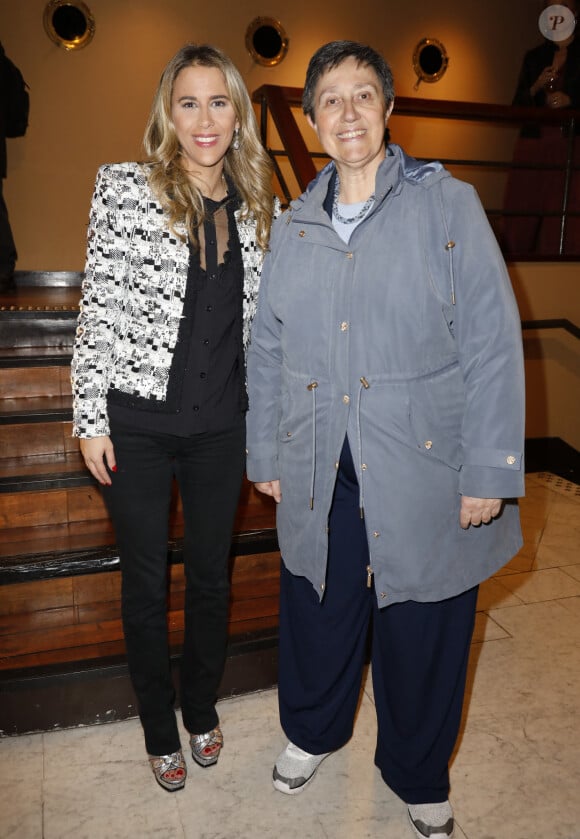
132,296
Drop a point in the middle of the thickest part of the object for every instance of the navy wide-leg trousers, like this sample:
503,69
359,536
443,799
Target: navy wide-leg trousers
419,660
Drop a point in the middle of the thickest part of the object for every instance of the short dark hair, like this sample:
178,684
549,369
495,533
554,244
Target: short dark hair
333,54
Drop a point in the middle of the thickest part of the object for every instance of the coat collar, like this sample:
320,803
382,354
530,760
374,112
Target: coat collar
396,169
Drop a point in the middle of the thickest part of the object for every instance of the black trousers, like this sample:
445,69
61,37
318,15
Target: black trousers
209,469
8,253
419,661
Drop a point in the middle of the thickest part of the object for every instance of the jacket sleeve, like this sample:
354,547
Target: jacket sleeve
529,72
264,378
487,329
92,353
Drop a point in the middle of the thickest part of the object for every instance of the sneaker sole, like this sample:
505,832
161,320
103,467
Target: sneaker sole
281,786
433,835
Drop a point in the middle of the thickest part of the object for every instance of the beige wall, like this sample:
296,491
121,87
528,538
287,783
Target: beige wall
547,290
89,106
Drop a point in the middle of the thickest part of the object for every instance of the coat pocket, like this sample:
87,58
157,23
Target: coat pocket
437,408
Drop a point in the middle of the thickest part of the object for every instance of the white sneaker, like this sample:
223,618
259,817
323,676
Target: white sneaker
432,821
295,769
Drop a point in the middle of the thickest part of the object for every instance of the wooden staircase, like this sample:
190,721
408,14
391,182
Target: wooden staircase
59,570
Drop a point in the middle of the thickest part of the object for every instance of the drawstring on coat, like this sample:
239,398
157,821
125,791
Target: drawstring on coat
364,385
312,388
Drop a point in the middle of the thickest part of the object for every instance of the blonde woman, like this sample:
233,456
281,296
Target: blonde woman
175,250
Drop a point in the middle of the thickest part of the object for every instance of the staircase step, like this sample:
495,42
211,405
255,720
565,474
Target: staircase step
36,409
57,550
54,280
22,441
34,356
59,526
50,470
89,547
27,379
42,505
39,317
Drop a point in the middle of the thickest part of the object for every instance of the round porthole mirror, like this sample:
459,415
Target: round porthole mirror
430,60
69,24
266,41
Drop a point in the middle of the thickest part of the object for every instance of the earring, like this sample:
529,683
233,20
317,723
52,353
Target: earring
236,140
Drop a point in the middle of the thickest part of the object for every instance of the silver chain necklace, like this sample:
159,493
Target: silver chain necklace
349,219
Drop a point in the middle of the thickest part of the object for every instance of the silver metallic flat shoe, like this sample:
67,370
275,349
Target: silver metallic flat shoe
206,748
170,770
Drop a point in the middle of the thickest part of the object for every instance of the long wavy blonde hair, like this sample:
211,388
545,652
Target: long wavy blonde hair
249,166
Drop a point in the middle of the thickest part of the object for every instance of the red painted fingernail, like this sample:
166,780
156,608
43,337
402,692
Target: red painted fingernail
113,468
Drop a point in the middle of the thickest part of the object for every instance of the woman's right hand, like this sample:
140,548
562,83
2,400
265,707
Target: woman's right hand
99,453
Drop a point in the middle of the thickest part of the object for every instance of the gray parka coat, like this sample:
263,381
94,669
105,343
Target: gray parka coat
408,341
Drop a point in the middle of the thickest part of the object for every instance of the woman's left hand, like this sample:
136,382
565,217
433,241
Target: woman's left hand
478,511
271,488
558,99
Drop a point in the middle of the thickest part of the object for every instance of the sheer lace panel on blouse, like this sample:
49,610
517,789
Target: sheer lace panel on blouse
220,218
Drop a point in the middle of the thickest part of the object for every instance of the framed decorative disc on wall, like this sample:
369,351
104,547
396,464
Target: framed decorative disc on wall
69,23
430,60
266,41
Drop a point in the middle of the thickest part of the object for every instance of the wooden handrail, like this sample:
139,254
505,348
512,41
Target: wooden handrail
553,323
444,108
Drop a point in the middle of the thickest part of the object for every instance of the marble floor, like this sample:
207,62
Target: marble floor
515,775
